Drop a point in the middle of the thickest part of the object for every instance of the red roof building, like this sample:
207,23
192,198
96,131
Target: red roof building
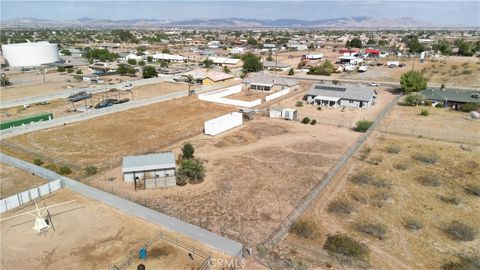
348,51
372,51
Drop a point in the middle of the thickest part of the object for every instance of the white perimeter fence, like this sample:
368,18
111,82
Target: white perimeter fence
24,197
277,94
218,97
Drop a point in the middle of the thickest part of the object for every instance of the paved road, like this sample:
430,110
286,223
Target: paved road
66,93
196,233
69,119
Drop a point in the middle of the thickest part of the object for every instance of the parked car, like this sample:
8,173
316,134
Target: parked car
373,84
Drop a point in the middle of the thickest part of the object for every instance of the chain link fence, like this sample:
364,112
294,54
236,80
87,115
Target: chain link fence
447,136
281,231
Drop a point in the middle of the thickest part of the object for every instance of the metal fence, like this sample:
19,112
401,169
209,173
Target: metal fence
448,136
281,231
134,254
24,197
198,234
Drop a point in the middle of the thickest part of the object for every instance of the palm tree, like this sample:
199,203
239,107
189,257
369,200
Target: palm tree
190,80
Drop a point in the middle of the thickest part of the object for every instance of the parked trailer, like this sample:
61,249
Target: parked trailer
26,120
223,123
312,56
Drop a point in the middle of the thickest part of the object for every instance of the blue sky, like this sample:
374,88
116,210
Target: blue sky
448,13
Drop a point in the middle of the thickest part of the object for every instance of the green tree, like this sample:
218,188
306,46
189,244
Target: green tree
413,99
251,63
355,43
124,69
66,52
187,150
412,81
464,48
192,168
208,63
190,80
60,69
413,44
166,50
163,64
252,41
101,54
70,70
79,71
363,125
326,68
4,81
149,72
226,69
141,63
442,46
149,59
132,61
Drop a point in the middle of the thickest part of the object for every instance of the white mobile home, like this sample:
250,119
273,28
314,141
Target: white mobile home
150,171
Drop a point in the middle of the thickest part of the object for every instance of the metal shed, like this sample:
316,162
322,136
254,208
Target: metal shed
150,171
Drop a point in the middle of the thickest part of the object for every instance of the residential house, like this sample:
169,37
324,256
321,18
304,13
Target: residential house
330,95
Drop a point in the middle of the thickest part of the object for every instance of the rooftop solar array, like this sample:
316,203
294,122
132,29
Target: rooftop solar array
330,88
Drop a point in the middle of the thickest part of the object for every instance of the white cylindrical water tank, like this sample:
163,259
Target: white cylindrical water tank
30,54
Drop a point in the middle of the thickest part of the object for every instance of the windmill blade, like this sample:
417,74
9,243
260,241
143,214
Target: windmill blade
49,217
37,210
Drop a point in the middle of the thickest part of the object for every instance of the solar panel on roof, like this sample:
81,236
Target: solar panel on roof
330,88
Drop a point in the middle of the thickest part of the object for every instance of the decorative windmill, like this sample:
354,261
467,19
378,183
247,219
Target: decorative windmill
43,219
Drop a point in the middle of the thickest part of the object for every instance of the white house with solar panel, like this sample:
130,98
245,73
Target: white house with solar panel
150,171
330,95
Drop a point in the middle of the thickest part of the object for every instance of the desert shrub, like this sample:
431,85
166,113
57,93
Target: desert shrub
473,189
452,199
412,100
467,72
428,158
363,125
60,69
70,70
359,198
428,103
192,168
374,229
91,170
424,112
362,178
335,82
413,224
464,262
379,198
340,206
64,170
38,162
319,108
364,153
51,167
393,149
376,160
403,166
347,246
306,120
305,228
440,105
296,264
182,179
299,103
471,106
431,180
313,122
381,183
459,231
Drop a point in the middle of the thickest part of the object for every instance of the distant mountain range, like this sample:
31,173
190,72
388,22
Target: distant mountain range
343,23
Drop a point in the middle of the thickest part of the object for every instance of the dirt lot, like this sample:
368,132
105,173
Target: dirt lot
262,168
77,242
103,141
441,123
405,196
249,95
13,180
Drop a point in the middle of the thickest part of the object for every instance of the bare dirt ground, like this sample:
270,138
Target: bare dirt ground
255,176
427,248
105,140
17,92
84,240
13,180
249,95
440,121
